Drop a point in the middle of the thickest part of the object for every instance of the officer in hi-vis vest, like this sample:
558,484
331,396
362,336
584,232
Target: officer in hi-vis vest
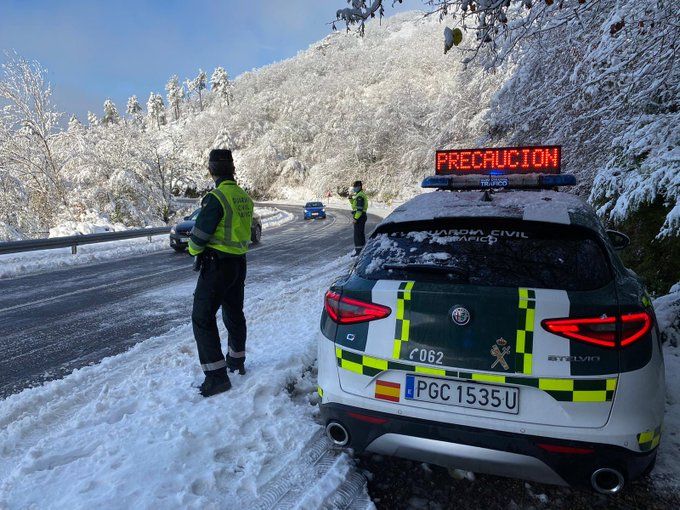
219,241
359,202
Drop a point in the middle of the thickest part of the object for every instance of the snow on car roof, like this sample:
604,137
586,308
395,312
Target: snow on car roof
545,206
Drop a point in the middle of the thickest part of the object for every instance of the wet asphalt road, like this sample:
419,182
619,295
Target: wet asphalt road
52,323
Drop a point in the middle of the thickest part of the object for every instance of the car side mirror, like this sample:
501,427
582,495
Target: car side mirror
618,239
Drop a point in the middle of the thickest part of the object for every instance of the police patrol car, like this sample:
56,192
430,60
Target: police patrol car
490,326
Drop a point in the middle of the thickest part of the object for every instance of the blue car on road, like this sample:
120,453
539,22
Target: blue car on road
314,210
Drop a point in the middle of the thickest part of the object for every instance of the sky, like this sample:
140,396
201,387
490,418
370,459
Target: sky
96,49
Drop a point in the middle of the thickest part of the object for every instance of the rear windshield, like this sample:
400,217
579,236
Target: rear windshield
505,254
314,204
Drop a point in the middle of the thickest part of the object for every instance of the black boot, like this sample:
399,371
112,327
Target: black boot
236,365
215,382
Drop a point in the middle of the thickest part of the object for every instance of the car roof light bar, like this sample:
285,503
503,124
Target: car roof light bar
509,181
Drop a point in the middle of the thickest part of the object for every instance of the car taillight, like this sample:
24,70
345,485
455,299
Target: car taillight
345,310
602,331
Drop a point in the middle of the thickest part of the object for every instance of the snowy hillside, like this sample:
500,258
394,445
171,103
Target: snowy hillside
373,108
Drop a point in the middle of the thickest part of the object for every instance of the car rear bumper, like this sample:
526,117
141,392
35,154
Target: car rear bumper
481,450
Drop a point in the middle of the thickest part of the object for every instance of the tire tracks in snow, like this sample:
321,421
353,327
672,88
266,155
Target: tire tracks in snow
322,477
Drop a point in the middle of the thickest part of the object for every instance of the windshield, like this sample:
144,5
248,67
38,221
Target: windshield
314,204
484,253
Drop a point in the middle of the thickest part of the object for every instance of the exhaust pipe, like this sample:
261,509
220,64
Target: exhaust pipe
337,433
607,480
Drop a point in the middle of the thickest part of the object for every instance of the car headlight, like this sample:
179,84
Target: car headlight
172,230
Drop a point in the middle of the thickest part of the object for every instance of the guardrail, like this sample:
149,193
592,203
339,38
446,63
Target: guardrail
74,241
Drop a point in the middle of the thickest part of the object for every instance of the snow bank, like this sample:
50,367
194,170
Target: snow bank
133,431
667,309
271,217
15,264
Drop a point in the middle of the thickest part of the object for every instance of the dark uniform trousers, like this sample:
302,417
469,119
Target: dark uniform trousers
360,233
220,283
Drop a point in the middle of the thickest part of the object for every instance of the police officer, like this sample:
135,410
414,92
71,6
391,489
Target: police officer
359,202
219,241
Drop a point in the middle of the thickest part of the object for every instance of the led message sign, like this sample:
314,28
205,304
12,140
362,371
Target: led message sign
500,160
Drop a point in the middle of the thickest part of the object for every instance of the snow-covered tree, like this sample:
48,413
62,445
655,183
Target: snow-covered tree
74,124
198,85
92,119
175,95
134,109
156,109
111,115
31,155
221,86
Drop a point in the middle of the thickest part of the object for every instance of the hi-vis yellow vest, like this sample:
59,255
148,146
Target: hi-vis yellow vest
233,231
353,201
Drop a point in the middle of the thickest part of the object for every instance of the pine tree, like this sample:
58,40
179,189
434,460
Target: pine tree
175,94
74,124
221,85
198,85
156,109
110,113
92,119
134,109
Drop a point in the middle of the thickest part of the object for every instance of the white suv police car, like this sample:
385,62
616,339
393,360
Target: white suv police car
491,326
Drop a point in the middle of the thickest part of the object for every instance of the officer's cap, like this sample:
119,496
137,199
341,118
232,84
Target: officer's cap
357,184
221,162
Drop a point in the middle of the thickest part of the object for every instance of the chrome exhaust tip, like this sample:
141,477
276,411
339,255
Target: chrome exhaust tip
607,481
337,433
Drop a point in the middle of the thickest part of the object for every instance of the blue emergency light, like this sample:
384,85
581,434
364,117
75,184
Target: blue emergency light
508,181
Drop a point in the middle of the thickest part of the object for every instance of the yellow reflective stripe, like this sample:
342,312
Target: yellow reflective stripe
407,290
556,384
523,293
528,363
351,366
656,441
338,352
400,309
611,384
428,370
589,396
519,344
380,364
396,350
405,329
529,323
319,390
488,378
646,437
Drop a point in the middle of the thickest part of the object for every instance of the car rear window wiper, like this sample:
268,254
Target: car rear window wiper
429,268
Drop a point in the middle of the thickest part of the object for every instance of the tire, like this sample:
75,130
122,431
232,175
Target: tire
256,234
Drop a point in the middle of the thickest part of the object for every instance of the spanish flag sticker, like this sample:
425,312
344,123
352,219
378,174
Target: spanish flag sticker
386,390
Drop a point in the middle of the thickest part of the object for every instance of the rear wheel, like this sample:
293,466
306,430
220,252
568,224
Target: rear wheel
256,234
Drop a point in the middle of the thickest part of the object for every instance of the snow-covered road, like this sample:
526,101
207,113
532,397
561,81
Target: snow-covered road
68,318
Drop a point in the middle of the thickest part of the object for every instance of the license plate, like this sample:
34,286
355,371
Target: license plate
490,397
315,214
